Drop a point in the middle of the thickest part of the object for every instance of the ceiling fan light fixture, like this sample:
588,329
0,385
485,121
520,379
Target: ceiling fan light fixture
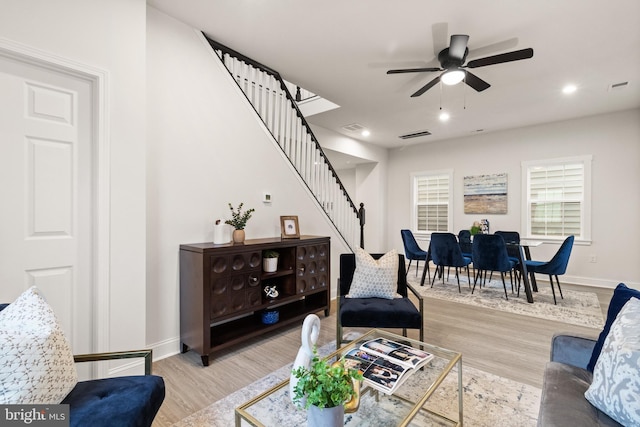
452,77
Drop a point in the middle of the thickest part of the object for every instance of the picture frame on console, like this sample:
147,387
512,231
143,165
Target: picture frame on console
289,227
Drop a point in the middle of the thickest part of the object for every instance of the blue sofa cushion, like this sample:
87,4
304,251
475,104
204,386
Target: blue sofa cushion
621,295
122,401
379,313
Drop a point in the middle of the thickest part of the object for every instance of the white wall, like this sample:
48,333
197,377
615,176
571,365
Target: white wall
614,142
109,35
206,148
370,183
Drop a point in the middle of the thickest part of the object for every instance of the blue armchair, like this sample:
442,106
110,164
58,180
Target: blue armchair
376,312
119,401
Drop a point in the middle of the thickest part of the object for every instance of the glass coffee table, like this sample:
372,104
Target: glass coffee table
429,396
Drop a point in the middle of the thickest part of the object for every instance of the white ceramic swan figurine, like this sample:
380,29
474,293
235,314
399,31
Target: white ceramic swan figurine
309,336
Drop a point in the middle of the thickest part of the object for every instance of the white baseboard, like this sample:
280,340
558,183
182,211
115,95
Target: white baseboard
166,348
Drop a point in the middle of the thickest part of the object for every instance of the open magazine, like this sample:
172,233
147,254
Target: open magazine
385,364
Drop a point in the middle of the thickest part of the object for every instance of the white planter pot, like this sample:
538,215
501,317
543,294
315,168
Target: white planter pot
325,417
270,265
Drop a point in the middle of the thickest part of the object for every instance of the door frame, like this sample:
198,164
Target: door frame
100,221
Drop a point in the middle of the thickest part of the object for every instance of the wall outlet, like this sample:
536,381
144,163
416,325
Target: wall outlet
593,259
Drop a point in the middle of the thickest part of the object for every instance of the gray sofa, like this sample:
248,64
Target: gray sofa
566,378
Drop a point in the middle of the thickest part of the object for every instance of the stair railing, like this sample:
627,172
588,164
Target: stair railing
272,101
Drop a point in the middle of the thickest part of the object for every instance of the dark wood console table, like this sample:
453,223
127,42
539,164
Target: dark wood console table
222,294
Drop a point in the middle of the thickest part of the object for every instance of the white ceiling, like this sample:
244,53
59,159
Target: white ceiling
341,50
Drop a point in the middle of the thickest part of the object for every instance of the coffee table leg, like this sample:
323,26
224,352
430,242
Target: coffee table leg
460,393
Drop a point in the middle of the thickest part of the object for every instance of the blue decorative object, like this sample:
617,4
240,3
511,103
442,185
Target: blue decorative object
269,317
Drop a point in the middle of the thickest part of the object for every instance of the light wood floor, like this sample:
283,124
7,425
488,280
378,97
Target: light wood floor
509,345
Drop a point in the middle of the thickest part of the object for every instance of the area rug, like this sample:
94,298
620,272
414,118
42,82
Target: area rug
577,307
488,401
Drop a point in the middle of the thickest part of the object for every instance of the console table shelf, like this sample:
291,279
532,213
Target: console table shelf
222,289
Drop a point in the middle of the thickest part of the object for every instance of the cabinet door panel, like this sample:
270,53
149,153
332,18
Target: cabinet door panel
220,303
311,267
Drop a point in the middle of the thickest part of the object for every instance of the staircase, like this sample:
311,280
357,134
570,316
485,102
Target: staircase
272,101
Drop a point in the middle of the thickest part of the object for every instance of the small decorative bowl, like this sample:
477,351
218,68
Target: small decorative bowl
269,317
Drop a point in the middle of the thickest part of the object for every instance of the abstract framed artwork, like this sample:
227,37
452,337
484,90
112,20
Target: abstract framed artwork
485,194
289,228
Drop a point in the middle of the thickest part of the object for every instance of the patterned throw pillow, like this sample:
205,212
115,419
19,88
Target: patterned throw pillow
615,389
375,278
36,362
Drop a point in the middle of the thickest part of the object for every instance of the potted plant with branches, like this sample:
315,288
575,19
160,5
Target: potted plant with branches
324,388
238,221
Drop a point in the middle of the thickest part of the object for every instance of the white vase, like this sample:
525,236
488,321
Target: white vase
270,265
325,417
219,234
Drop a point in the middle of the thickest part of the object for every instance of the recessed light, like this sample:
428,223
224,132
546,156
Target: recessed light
366,133
570,88
444,116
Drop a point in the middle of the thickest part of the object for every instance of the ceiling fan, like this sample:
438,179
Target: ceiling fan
452,63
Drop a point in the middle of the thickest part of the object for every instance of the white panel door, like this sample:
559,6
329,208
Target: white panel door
45,192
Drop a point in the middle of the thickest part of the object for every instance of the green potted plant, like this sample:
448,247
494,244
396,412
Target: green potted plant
475,228
324,388
238,221
270,261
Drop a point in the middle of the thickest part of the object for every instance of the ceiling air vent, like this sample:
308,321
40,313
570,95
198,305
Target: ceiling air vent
353,127
415,134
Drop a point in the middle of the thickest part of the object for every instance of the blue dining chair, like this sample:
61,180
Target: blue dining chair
445,252
554,267
490,254
413,252
464,240
512,238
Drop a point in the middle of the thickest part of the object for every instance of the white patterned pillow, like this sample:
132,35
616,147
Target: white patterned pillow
374,278
615,389
36,362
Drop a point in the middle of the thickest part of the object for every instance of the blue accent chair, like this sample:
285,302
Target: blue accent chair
376,312
413,252
130,401
554,267
445,252
490,254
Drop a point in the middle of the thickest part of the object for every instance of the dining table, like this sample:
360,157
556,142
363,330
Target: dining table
524,254
522,249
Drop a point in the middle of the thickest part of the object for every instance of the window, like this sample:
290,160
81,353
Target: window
557,198
432,201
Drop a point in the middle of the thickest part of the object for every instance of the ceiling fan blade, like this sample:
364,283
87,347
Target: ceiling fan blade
426,87
413,70
440,35
503,57
476,82
458,46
